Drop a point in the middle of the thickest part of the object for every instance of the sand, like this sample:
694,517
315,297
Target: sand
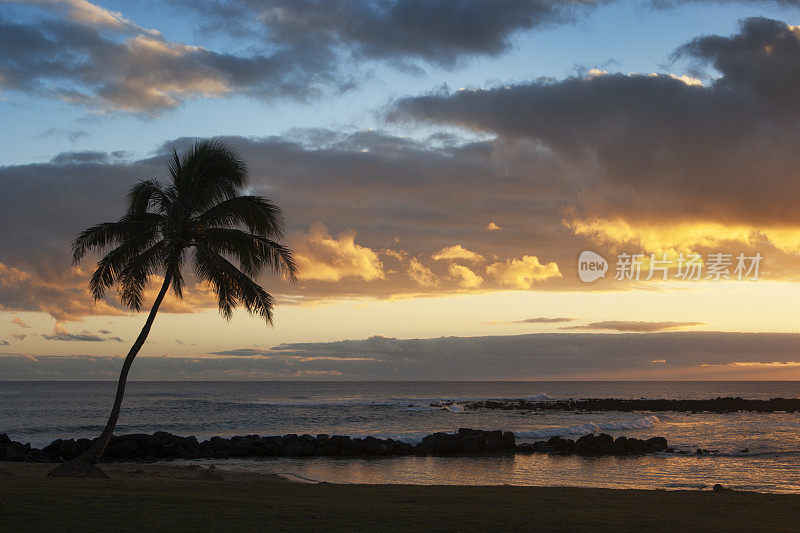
157,497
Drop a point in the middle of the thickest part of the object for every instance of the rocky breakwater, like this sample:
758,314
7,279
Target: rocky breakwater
162,446
714,405
596,445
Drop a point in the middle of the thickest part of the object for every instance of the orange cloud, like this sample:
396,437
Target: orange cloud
422,274
522,273
451,253
467,279
322,257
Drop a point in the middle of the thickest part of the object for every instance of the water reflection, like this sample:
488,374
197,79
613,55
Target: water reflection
771,473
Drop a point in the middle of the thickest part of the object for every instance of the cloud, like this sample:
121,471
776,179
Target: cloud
305,173
402,33
19,336
493,227
63,294
19,322
467,279
455,252
403,190
523,273
423,275
71,135
81,53
322,257
85,12
84,54
677,355
540,320
96,58
635,326
3,342
640,153
242,352
60,333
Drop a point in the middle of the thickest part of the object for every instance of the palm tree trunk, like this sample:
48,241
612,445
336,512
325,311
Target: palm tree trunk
95,451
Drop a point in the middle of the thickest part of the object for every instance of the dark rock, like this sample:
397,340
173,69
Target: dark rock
656,444
560,446
163,445
718,488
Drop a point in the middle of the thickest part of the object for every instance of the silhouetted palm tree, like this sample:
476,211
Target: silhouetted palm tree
201,210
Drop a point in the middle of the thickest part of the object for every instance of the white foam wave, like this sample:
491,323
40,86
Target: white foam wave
541,397
452,407
645,422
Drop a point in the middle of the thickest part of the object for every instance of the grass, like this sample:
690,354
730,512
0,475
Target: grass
42,504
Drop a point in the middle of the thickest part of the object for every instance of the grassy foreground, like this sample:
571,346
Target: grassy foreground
42,504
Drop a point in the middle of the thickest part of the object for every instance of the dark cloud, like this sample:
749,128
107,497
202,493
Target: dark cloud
143,73
298,49
634,326
440,33
3,342
89,56
19,336
402,32
763,58
645,148
715,355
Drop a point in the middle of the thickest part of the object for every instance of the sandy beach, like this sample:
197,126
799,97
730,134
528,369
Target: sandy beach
145,497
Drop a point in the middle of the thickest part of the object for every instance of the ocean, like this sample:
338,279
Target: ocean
40,412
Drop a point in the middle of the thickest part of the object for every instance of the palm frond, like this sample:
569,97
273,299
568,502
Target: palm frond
114,262
137,272
100,236
252,251
211,172
231,285
146,194
257,214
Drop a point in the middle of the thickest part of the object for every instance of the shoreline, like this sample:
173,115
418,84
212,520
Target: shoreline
154,496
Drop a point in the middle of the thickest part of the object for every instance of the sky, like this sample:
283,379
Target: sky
473,189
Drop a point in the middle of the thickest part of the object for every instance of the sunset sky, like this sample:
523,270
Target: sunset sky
441,167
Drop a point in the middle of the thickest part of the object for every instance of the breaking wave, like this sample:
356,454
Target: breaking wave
645,422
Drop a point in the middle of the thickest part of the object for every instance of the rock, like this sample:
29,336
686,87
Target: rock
560,446
718,488
525,447
162,445
716,405
656,444
586,445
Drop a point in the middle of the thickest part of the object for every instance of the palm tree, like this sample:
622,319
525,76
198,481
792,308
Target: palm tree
203,210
